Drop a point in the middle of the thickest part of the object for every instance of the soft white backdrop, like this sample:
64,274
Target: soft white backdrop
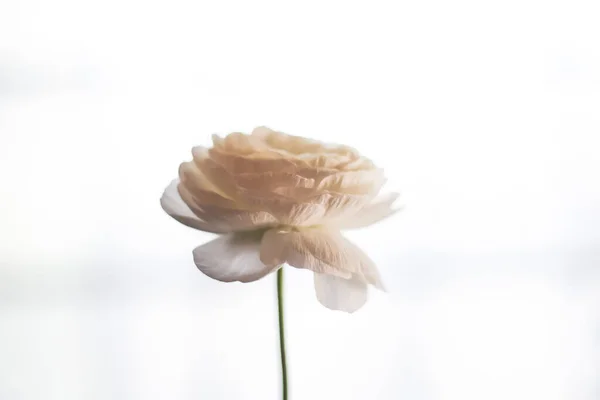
484,114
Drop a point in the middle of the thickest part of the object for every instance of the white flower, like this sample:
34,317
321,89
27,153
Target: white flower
280,199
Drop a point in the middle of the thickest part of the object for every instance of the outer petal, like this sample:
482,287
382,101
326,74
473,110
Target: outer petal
312,249
380,209
321,251
232,257
173,205
367,269
340,294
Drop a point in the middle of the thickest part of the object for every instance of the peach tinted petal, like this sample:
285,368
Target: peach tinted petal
379,209
311,249
174,206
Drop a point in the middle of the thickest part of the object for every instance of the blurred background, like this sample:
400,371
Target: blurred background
485,116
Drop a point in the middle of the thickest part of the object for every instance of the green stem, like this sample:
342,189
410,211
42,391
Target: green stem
281,332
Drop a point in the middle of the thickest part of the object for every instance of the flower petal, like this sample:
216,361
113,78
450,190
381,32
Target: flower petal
214,172
380,209
354,182
173,205
321,251
292,184
321,152
286,210
222,220
233,257
340,294
201,188
235,163
340,206
367,269
314,249
314,210
271,181
236,220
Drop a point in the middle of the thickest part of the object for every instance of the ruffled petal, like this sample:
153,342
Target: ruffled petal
201,187
232,258
214,172
313,249
368,271
290,143
235,163
307,211
378,210
340,294
238,153
301,187
353,182
212,218
173,205
341,206
320,153
286,210
236,220
321,251
272,181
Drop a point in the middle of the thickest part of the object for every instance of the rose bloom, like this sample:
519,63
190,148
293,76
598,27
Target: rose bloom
280,199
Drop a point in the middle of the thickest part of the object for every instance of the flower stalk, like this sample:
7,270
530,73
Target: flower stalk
281,334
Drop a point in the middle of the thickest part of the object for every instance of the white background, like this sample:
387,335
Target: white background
485,115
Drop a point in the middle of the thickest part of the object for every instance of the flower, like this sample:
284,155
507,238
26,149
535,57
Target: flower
279,199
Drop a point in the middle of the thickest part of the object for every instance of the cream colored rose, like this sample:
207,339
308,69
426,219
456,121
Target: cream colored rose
281,199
